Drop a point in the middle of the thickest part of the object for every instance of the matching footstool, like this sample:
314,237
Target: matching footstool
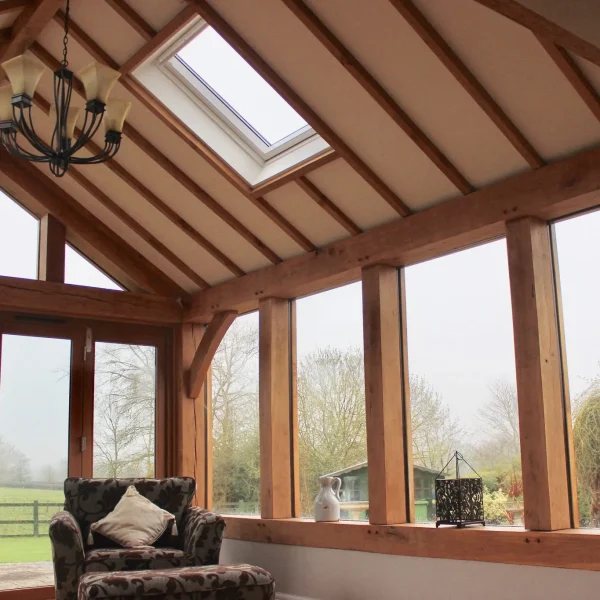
230,582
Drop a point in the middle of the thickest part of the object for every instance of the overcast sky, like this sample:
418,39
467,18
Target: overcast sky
459,328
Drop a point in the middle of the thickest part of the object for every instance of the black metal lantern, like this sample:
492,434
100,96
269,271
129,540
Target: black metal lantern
459,501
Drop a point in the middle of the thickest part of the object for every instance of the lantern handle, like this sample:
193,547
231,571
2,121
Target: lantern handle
457,456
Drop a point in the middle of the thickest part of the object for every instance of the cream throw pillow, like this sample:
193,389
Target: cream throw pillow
135,521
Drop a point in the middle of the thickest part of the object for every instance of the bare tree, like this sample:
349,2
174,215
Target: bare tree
500,417
21,471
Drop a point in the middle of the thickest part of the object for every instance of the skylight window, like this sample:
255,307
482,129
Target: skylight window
219,67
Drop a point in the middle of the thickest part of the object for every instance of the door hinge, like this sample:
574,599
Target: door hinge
83,443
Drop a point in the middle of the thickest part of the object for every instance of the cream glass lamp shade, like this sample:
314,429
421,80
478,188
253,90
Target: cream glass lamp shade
6,112
24,73
116,113
98,81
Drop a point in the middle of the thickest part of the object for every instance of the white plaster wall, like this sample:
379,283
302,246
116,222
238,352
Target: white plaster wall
321,574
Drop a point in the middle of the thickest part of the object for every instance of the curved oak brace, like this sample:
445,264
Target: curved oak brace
211,339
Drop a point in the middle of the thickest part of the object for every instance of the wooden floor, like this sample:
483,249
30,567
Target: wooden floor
25,575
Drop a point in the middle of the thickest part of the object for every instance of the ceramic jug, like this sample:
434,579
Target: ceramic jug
327,504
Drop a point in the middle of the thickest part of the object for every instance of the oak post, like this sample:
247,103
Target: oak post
275,408
387,460
51,254
539,387
190,424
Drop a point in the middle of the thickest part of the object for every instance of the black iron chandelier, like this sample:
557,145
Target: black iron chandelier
16,122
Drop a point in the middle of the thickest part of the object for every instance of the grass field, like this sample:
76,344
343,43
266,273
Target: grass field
26,549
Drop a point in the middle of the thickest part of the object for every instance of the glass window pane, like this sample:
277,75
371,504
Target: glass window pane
124,410
34,440
578,249
236,446
18,240
462,377
80,271
331,398
227,74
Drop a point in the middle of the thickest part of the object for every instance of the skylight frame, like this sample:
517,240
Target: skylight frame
235,125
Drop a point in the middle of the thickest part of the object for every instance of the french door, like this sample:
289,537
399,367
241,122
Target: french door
76,399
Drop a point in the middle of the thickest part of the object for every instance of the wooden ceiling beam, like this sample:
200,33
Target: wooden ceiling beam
81,302
528,18
216,330
438,45
132,18
378,93
181,20
191,139
213,18
7,6
186,181
81,221
570,69
28,26
309,188
303,168
553,191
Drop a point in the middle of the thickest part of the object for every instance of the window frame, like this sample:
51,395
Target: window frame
209,101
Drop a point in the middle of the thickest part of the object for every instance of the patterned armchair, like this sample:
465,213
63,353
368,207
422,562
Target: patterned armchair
89,500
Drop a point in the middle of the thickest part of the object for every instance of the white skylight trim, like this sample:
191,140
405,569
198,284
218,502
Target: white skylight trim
255,155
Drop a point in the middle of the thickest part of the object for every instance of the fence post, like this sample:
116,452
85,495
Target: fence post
36,514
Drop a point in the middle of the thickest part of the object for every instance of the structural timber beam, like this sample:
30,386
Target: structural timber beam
538,361
28,26
81,221
79,302
132,18
12,5
51,252
211,339
515,11
555,190
213,18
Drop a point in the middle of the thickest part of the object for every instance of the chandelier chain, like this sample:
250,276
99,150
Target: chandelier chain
65,62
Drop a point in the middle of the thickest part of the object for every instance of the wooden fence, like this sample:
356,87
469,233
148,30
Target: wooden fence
35,521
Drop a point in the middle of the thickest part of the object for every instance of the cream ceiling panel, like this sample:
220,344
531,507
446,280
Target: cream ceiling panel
516,70
422,86
306,215
157,13
292,51
352,194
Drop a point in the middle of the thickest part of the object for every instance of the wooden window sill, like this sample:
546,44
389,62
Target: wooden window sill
568,548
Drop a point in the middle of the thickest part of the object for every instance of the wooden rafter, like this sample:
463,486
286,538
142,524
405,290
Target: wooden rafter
171,168
213,18
81,221
570,69
181,20
29,24
303,168
553,191
65,300
309,188
132,18
378,93
96,51
438,45
7,6
51,251
192,140
5,36
515,11
209,343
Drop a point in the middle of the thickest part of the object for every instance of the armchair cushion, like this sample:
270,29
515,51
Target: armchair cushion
135,559
202,535
90,500
67,554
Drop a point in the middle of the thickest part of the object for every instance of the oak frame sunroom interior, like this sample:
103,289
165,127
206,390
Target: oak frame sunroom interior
172,303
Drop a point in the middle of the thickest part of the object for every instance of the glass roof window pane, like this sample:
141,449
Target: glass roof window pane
240,87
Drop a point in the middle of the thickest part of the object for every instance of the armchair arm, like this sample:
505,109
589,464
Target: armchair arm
67,554
202,535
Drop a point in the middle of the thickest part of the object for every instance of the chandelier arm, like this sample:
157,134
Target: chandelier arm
28,131
63,87
106,153
12,146
86,135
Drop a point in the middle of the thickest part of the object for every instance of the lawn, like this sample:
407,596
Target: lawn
26,549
